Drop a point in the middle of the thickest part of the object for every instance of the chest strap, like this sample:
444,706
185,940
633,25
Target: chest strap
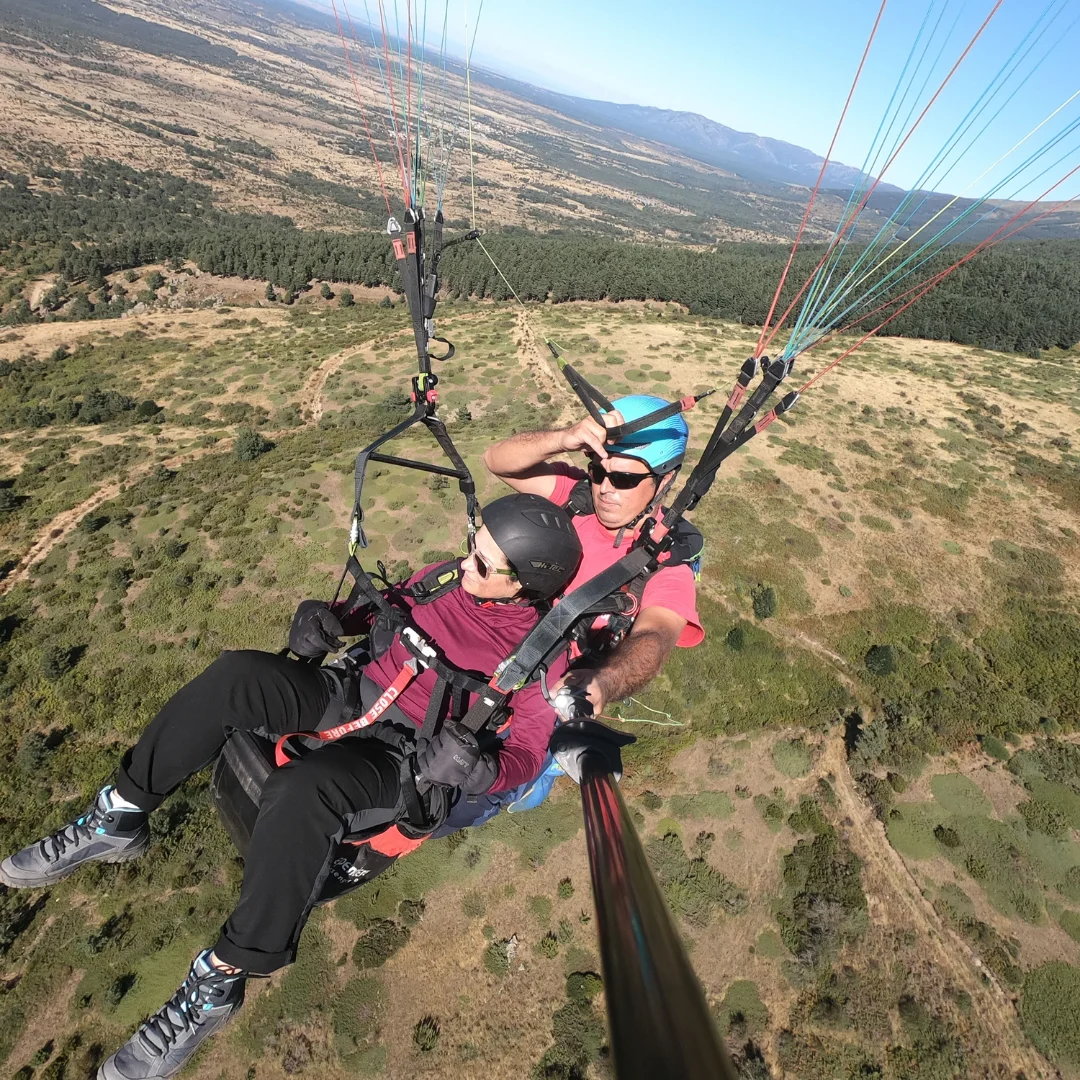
408,672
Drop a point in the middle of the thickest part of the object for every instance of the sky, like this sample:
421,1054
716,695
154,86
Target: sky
783,68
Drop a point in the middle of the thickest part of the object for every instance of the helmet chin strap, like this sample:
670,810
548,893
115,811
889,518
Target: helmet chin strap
654,505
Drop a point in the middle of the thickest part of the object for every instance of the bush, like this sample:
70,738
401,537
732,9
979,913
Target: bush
946,836
155,281
379,942
345,298
147,409
583,986
250,444
995,748
357,1006
326,292
764,600
736,638
792,757
32,754
497,958
566,889
426,1034
56,661
880,660
1050,1010
548,946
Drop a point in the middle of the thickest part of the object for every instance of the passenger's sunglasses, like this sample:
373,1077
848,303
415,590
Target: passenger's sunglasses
621,481
483,567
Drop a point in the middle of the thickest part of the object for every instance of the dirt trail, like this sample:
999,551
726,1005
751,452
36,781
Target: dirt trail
535,357
61,526
311,397
890,887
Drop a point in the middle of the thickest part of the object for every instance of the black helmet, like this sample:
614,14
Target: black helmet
538,539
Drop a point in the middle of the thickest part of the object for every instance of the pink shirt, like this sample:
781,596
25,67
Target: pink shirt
477,637
671,587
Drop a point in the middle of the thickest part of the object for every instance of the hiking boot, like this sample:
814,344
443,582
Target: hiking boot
105,833
206,1000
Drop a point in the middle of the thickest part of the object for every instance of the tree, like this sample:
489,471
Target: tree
250,444
289,297
155,281
345,298
270,294
326,292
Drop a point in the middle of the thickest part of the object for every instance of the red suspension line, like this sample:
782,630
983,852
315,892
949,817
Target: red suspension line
393,107
359,101
859,209
924,287
821,176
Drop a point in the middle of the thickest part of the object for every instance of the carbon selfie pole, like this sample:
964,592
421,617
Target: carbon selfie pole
661,1028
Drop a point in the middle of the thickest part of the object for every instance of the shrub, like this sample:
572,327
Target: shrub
1042,817
792,757
356,1009
250,444
650,800
326,292
497,958
345,298
32,754
379,942
56,661
736,638
995,747
548,946
880,660
411,911
146,409
426,1034
583,986
692,888
764,600
946,836
566,889
742,1012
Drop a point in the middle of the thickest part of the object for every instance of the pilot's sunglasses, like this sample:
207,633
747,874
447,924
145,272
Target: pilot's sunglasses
620,480
483,567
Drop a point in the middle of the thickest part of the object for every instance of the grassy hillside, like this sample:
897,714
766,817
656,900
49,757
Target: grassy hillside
889,590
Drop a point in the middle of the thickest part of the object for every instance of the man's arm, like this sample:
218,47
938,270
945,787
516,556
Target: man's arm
634,663
521,460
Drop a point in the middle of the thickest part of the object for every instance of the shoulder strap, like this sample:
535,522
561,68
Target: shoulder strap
580,503
437,582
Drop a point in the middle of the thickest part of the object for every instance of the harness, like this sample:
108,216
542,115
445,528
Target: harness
620,608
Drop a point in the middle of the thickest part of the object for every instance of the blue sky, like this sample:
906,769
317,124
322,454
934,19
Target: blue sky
782,68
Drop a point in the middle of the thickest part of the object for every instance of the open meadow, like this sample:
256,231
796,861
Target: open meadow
865,811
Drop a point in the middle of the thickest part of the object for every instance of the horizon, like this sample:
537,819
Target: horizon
765,108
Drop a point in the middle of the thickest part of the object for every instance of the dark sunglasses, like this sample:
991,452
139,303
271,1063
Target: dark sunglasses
621,481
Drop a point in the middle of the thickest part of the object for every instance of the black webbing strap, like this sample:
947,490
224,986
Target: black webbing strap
550,634
594,401
435,709
409,257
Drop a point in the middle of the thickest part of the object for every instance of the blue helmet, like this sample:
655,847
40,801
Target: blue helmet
662,446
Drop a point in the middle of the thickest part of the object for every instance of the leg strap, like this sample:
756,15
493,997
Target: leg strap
384,701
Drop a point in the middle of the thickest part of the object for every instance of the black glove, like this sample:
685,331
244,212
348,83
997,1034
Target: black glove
315,629
573,740
454,758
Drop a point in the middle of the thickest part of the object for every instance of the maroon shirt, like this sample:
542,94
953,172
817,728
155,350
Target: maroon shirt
478,637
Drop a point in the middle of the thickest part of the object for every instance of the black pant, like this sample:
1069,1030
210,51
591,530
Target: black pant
307,806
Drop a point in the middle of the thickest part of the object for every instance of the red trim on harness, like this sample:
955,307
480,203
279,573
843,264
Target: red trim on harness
399,249
393,841
765,421
410,239
737,395
382,703
687,402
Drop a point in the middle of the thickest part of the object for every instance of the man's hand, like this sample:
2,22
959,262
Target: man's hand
573,741
315,629
588,435
585,682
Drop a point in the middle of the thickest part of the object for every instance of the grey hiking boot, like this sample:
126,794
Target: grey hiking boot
205,1002
105,833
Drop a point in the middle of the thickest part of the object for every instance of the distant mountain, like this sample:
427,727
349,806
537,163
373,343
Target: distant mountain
754,157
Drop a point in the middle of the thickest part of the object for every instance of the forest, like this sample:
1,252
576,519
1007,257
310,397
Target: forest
1020,297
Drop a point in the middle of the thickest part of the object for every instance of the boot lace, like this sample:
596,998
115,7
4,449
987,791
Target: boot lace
184,1010
71,835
